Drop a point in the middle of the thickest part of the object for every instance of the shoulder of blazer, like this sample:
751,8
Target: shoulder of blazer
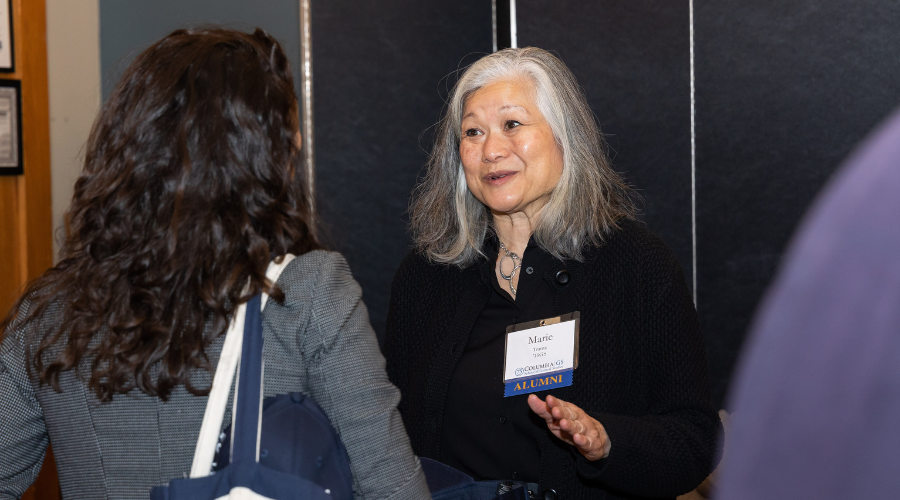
305,277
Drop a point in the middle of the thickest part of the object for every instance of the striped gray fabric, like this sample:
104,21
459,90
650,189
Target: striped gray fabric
318,342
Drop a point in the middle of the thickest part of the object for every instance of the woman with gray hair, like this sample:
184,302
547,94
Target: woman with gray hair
520,218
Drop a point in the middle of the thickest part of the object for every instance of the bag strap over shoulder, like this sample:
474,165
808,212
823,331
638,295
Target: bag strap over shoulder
224,376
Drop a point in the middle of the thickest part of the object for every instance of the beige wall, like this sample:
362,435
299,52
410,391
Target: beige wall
73,60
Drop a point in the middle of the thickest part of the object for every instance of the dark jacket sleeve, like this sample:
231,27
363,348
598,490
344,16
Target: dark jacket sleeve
669,450
395,346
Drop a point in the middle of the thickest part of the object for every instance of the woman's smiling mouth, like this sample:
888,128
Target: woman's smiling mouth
499,177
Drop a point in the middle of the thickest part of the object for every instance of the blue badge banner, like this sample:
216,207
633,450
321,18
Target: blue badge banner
538,383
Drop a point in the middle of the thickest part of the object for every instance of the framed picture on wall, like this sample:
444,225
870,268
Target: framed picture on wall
6,37
10,127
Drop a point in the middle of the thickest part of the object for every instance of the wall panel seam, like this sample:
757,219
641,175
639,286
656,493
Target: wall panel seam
307,102
693,161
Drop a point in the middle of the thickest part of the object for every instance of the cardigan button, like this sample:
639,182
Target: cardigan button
548,494
562,277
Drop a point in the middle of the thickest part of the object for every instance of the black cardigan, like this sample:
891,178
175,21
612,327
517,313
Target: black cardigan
642,364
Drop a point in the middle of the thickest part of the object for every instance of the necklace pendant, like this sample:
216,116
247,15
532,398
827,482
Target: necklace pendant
509,277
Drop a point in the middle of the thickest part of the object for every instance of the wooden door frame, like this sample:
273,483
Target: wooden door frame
26,221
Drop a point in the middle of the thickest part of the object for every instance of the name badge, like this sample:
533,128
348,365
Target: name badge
540,354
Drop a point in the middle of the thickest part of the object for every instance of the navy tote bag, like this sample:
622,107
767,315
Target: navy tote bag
245,478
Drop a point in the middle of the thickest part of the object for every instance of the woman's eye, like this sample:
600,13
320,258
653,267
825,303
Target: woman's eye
512,124
472,132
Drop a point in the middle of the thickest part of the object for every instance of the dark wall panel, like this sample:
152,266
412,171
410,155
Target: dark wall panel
784,92
129,26
379,82
632,58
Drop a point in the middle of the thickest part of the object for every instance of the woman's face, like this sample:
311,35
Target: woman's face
509,155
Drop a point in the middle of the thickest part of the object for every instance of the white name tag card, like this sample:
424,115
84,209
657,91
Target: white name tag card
540,354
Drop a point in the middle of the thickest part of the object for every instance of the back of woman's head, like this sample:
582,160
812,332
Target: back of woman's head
191,184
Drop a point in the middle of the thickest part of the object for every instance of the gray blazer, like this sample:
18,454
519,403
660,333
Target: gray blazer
318,342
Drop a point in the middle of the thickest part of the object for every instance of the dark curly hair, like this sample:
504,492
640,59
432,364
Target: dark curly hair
191,184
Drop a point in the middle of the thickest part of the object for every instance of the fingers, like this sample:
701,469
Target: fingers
579,428
583,442
591,444
540,408
572,426
562,410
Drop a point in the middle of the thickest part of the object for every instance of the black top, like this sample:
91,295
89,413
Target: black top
486,435
642,364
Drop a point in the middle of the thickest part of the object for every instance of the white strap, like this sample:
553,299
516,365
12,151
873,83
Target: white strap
218,395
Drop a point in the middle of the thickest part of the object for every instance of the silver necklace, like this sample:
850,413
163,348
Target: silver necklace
513,257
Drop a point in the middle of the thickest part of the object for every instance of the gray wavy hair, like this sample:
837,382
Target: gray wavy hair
449,224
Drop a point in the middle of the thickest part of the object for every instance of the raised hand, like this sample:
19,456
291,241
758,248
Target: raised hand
571,424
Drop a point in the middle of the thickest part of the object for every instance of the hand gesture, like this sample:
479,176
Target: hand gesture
572,425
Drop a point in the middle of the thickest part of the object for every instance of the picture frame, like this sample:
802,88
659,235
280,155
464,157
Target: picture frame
11,162
7,52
